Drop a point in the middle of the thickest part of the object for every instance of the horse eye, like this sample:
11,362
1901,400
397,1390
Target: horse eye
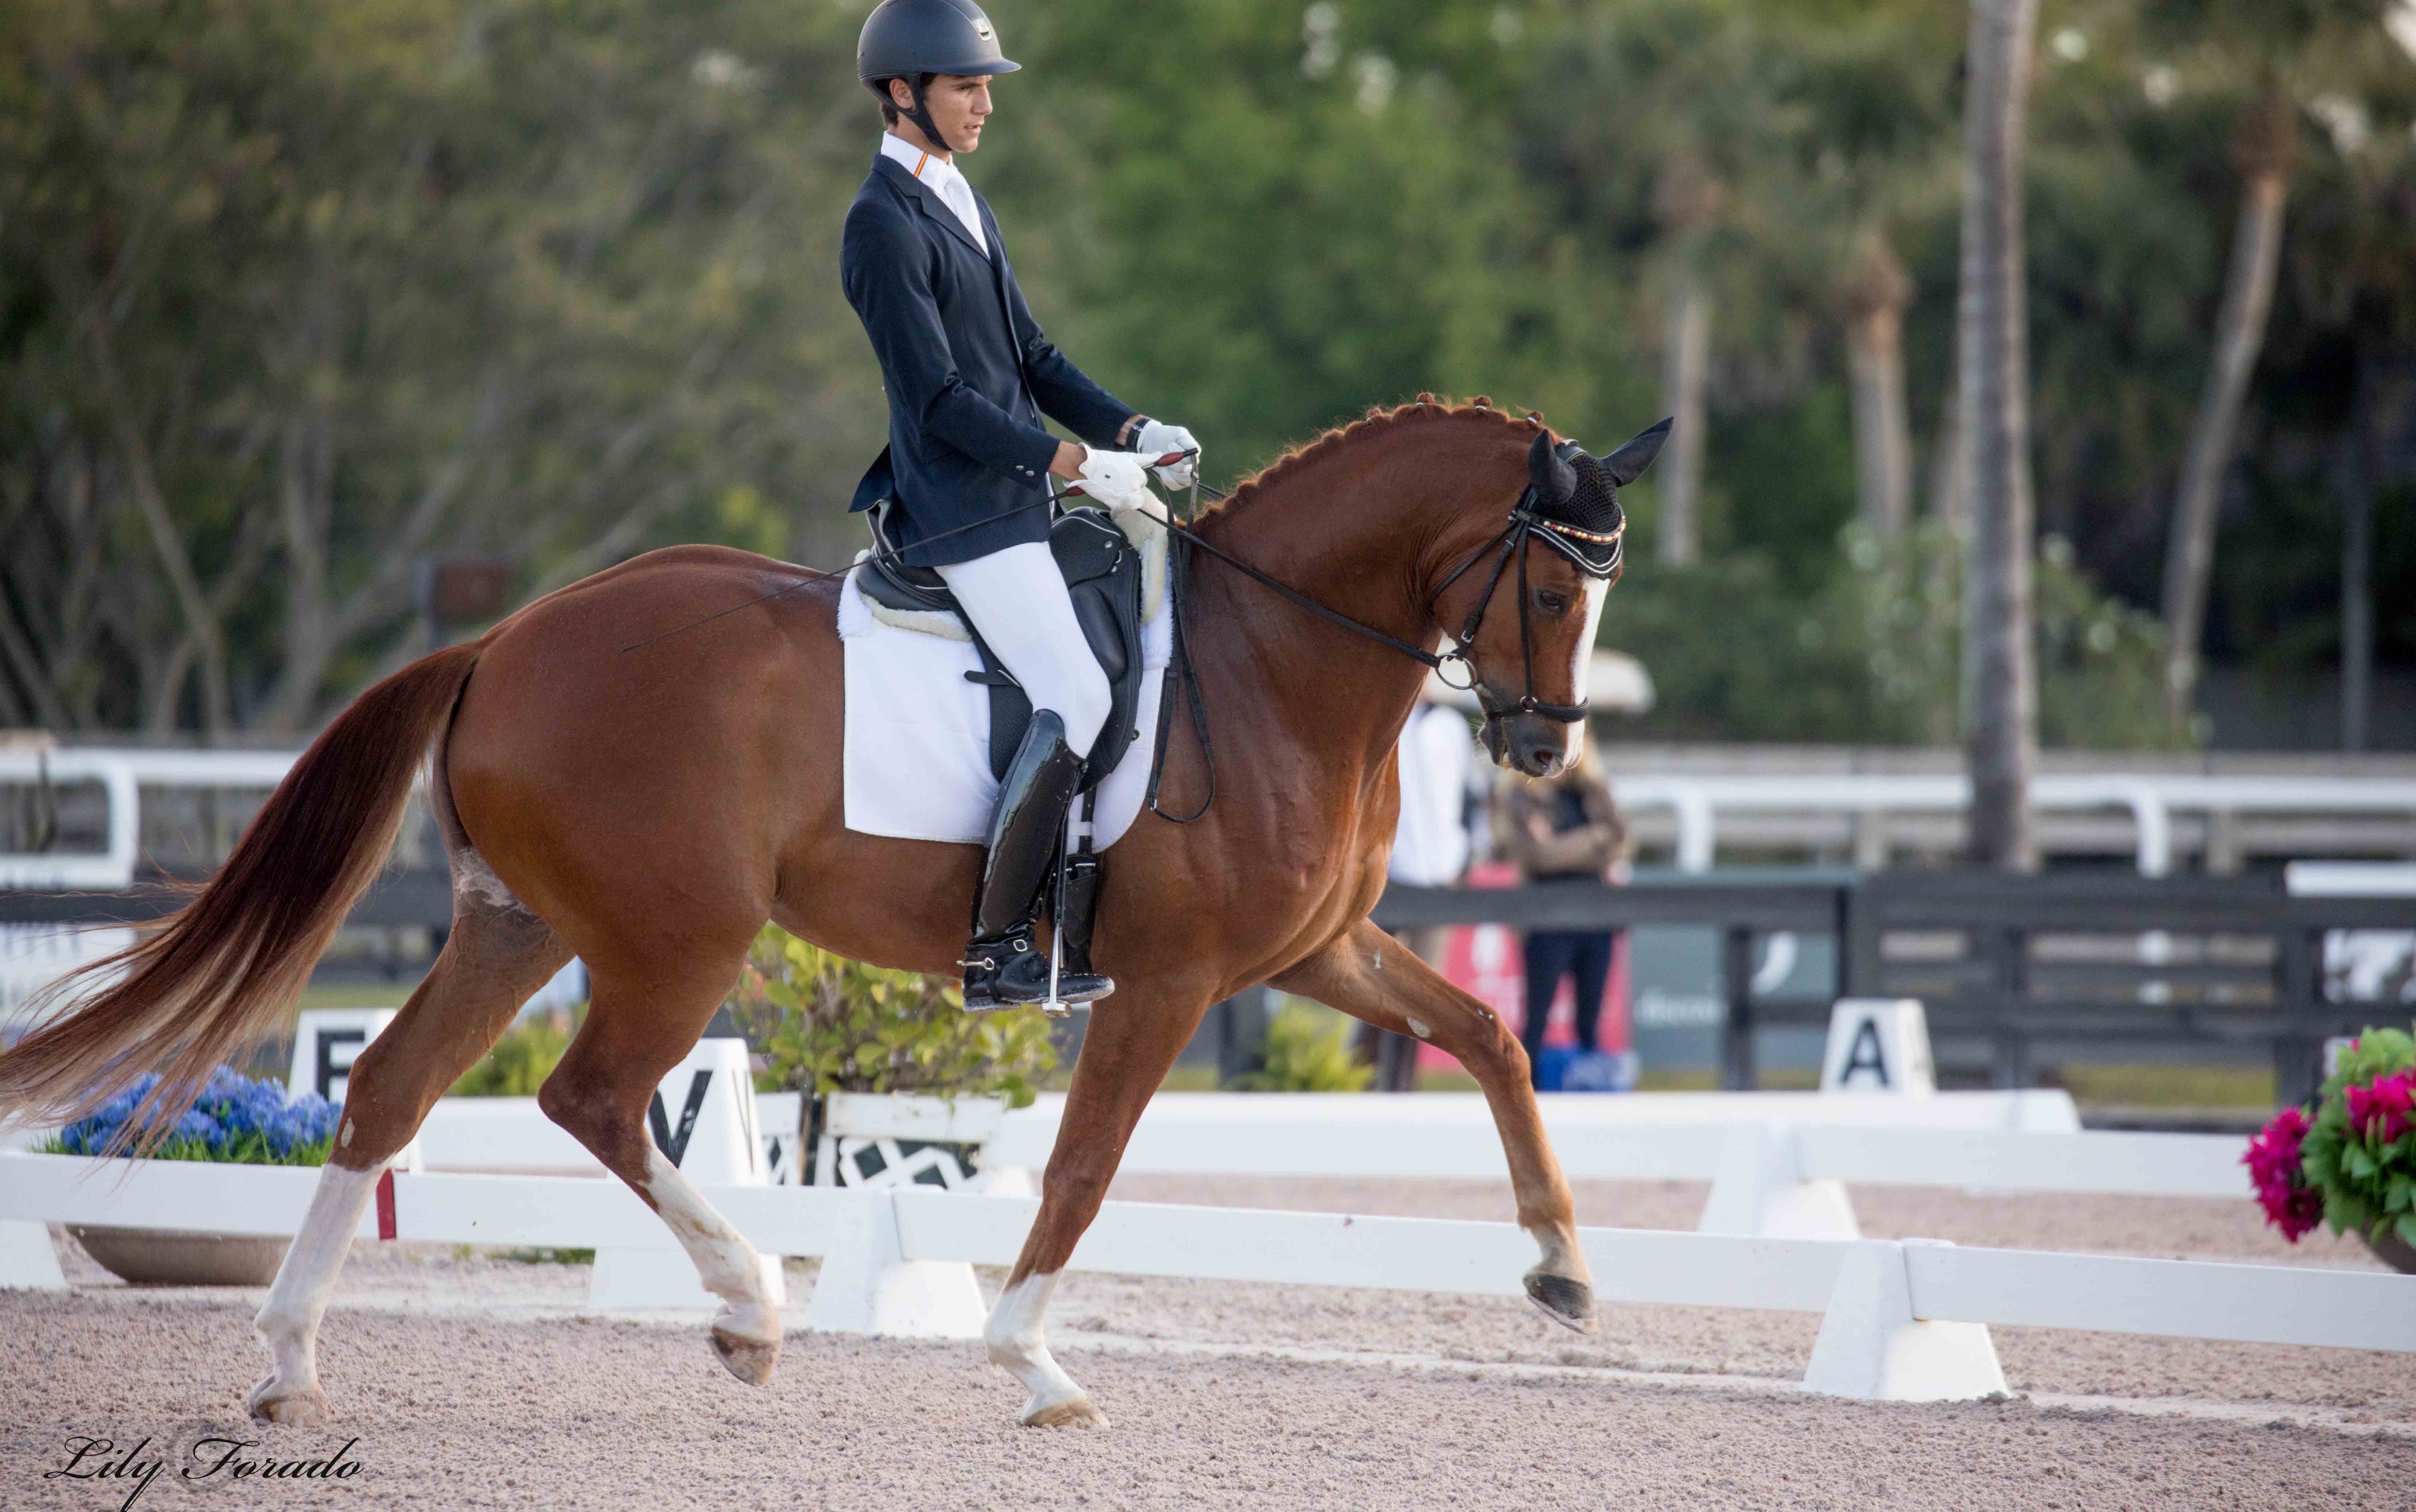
1551,603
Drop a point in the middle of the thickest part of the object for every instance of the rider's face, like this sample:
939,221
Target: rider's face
958,105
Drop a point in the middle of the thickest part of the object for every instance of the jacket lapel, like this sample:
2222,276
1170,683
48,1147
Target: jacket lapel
1001,275
925,195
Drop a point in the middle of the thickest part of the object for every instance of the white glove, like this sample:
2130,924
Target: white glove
1158,439
1112,478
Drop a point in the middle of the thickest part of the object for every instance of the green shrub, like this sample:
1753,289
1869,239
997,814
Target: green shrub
2361,1153
824,1024
1871,652
524,1058
1304,1053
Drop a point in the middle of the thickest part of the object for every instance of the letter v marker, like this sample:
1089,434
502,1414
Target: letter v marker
675,1146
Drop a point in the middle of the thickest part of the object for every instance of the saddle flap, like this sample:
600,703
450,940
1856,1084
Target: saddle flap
1104,573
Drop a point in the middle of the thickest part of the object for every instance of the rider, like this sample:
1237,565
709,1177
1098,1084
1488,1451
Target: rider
968,375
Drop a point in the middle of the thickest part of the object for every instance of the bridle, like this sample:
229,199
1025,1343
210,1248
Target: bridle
1524,526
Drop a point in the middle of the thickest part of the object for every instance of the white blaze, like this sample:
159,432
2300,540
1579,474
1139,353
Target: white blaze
1580,664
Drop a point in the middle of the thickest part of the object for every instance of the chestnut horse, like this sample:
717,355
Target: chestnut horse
649,810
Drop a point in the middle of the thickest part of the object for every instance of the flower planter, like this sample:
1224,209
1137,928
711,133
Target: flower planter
902,1139
2393,1251
170,1257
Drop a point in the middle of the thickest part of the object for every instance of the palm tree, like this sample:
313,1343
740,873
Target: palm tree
2263,148
1992,353
2272,43
1686,201
1871,298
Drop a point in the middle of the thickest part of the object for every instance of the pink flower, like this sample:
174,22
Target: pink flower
2380,1112
2272,1162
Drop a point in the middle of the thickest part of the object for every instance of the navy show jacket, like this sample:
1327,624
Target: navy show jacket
966,369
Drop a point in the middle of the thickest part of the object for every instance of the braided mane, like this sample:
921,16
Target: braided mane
1425,409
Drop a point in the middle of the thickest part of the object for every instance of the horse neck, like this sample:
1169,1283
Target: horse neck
1366,530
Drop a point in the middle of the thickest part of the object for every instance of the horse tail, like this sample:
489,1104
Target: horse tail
226,968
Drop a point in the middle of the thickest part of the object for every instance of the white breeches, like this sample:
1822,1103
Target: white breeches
1017,598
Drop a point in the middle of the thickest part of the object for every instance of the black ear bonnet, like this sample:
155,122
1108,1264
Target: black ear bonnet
1575,506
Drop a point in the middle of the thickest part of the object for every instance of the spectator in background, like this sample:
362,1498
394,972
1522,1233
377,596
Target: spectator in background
1431,849
1563,828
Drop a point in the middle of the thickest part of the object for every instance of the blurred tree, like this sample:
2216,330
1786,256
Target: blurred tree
296,295
292,296
1873,152
2264,42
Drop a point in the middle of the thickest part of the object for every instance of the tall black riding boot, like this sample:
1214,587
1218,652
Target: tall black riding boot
1004,965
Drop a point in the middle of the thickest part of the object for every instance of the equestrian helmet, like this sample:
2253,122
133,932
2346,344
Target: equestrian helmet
908,38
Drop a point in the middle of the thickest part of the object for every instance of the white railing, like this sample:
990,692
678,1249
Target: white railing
1777,1162
122,775
1696,801
1901,1319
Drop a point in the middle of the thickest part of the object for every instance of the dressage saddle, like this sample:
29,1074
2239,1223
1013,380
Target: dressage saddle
1103,574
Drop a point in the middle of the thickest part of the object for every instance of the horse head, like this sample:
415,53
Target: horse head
1529,604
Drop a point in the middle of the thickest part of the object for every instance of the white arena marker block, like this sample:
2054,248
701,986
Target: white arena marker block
27,1260
702,1118
1872,1347
327,1041
1758,1189
867,1285
1878,1045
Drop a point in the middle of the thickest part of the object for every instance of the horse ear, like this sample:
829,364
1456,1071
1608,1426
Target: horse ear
1555,480
1636,454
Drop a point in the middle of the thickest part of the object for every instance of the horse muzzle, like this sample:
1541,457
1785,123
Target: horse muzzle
1526,743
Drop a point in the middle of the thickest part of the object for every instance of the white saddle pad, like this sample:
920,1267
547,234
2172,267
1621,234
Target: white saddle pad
916,750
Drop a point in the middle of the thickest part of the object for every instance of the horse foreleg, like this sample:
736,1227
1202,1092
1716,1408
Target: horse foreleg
637,1030
1372,977
1125,1053
493,961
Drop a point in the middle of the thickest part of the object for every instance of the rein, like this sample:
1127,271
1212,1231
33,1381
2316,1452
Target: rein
1524,525
1523,528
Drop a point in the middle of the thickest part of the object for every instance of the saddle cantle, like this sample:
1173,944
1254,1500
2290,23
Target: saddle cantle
1103,571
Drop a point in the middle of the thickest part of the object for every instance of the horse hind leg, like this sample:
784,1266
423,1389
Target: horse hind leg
494,958
637,1030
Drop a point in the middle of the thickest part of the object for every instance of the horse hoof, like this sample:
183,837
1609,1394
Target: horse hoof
306,1408
1568,1303
749,1359
1074,1412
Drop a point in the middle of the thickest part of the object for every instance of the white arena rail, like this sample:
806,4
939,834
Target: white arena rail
123,774
1777,1162
1696,800
1901,1320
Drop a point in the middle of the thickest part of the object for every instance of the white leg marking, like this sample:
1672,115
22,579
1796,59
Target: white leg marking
1559,1257
1418,1027
288,1322
747,1331
1596,591
1016,1345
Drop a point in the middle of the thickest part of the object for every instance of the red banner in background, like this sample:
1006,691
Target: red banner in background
1486,961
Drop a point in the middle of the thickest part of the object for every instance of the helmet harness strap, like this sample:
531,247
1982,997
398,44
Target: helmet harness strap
920,114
